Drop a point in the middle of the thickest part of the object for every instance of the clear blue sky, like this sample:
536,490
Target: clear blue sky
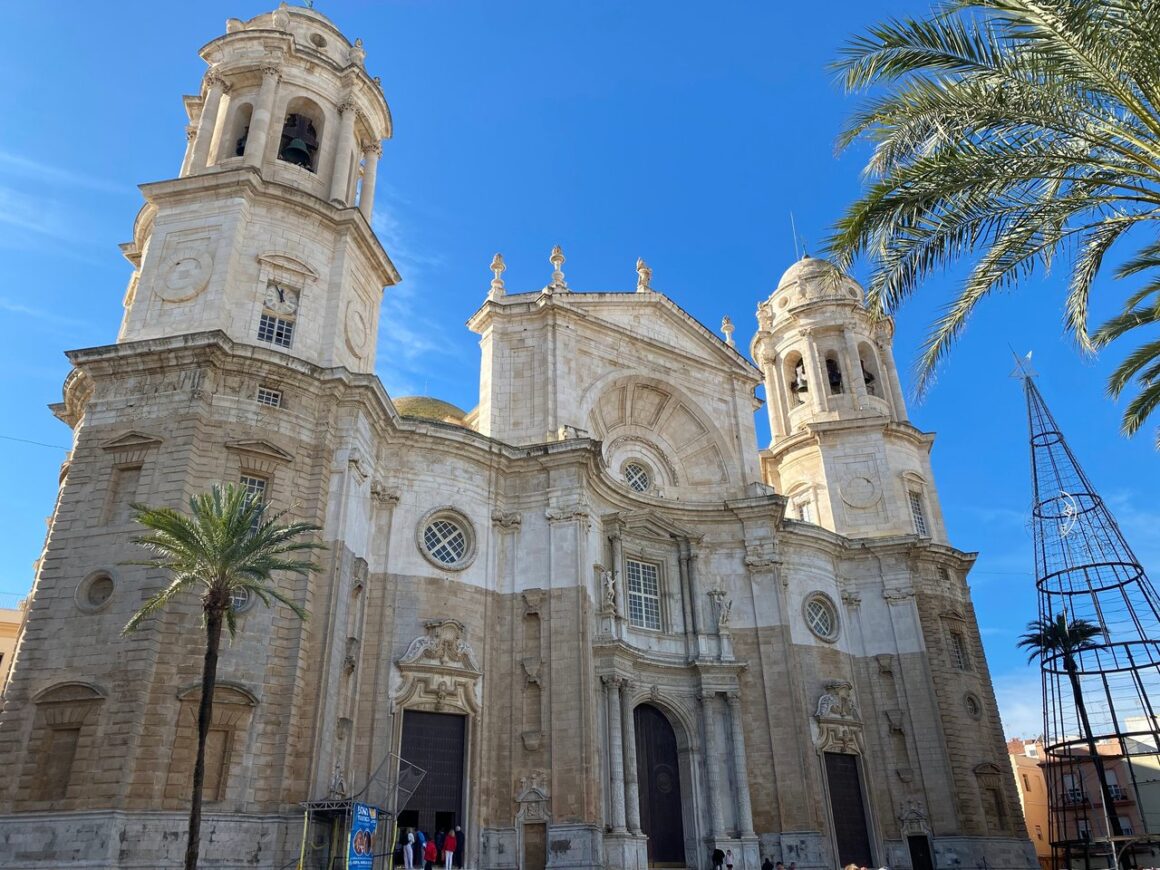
684,133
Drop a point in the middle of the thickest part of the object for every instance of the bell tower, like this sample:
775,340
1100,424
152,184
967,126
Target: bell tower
265,234
842,448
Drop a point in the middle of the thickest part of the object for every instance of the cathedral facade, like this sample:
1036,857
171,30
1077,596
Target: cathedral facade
610,630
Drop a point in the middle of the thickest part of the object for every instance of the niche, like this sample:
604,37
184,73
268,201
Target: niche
833,374
301,134
795,378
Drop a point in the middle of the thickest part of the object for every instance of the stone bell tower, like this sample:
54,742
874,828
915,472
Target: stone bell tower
842,449
265,235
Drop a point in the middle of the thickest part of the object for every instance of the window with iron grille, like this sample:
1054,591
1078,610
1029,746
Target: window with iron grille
644,595
637,477
445,541
267,396
255,486
959,656
805,510
275,330
918,514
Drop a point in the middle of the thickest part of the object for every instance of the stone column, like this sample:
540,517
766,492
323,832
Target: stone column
854,377
890,372
712,759
187,160
775,397
740,767
207,123
261,119
631,783
615,750
342,154
819,384
366,198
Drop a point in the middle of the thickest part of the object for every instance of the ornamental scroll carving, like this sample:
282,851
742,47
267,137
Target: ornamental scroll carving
839,723
439,670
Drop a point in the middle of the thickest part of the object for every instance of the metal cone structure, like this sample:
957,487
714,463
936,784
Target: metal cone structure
1101,734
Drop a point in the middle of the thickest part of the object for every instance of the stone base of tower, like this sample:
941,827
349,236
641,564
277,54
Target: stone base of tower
108,839
626,851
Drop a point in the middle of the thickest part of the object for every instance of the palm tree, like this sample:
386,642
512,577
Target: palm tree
1048,639
1020,131
225,546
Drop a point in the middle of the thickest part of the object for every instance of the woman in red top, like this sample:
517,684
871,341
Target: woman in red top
430,854
448,849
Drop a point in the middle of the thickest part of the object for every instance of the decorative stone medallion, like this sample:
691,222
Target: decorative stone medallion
184,274
357,330
861,492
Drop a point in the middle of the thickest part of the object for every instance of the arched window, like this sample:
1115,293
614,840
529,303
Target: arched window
301,134
238,132
795,379
833,373
868,360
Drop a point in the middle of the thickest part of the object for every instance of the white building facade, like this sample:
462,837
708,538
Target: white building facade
612,630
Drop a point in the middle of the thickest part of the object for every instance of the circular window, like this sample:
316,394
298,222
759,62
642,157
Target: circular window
637,477
94,592
974,708
446,540
318,40
241,600
821,617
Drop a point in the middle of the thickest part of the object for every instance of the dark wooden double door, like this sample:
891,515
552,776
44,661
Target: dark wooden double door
658,773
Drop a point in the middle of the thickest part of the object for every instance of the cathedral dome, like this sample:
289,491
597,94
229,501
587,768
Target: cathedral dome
811,277
429,408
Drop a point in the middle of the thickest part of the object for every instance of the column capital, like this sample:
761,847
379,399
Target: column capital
373,149
612,681
214,79
733,698
270,70
347,105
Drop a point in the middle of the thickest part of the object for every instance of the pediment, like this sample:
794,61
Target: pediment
648,524
277,261
668,324
260,448
131,440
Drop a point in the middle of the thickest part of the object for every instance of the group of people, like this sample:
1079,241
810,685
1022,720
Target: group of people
725,859
419,850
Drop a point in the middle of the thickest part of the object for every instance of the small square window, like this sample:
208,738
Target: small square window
267,396
804,508
275,330
918,515
644,595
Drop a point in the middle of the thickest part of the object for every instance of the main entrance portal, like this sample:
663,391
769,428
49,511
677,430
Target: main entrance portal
435,742
658,771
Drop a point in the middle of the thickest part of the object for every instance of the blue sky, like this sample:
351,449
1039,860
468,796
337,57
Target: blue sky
684,133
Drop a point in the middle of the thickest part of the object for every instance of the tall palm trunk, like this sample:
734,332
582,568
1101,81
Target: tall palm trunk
213,632
1101,774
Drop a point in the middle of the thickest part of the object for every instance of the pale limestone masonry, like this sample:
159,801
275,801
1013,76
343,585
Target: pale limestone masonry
501,564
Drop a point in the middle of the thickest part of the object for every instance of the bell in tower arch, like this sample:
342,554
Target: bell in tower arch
299,142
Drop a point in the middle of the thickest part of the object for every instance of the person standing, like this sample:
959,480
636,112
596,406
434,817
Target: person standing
729,859
718,858
767,864
408,853
459,844
430,855
449,844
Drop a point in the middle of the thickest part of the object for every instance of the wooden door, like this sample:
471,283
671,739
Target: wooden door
659,776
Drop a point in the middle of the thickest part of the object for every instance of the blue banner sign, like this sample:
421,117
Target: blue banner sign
361,854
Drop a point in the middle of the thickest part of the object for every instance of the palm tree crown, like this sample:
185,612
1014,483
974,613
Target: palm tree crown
1057,636
225,545
1022,130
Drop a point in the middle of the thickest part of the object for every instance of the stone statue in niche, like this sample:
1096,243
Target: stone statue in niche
724,607
608,584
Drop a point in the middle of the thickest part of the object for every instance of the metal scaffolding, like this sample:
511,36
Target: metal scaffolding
1101,735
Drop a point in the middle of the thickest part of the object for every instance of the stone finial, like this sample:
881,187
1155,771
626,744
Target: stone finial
643,276
557,261
727,328
497,269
